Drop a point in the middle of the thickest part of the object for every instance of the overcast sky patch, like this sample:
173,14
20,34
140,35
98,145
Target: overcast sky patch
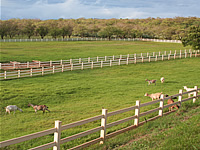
55,9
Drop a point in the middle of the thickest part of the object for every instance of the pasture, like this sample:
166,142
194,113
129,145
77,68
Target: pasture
80,94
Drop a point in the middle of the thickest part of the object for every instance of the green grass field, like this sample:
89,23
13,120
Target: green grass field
76,95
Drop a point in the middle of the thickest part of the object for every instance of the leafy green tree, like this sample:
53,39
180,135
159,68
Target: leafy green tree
55,32
108,32
192,37
29,29
43,31
12,28
66,31
3,29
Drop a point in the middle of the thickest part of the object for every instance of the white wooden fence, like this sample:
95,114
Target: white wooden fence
103,117
36,68
88,39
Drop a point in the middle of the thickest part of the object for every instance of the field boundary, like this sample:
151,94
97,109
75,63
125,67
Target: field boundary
103,117
88,39
15,69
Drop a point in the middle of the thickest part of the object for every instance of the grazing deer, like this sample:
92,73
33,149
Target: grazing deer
170,101
10,108
151,81
39,107
153,96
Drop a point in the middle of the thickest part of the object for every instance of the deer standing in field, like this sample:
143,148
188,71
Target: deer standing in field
39,107
10,108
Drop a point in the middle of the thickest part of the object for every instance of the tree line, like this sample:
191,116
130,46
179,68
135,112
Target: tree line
157,28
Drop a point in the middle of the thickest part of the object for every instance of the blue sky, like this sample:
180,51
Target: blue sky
103,9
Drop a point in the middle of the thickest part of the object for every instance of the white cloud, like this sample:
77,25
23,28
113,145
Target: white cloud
52,9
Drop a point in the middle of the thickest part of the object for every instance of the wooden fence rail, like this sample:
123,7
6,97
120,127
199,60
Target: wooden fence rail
103,136
51,67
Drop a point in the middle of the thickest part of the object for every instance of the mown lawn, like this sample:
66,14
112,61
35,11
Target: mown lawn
45,51
75,95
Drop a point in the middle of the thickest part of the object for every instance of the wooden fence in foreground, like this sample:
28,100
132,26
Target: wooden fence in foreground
29,69
103,117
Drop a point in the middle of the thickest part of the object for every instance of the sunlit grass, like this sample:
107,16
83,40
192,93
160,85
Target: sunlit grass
75,95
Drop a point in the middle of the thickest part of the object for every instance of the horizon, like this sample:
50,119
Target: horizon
97,9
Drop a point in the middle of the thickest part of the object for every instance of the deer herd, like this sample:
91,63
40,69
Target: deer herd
153,96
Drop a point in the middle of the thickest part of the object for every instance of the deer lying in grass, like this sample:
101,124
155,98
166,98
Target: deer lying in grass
10,108
150,81
153,96
39,107
170,101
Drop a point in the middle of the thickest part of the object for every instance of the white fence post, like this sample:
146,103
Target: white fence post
61,62
110,63
18,73
79,60
149,58
156,58
97,59
103,124
101,63
162,57
39,64
72,66
57,135
88,59
180,53
62,68
180,96
174,55
4,74
50,63
161,105
31,72
127,60
27,64
168,56
135,60
113,57
105,58
142,59
119,62
82,66
92,65
137,113
70,61
195,94
53,69
0,65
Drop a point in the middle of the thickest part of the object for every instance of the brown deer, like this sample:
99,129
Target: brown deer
151,81
39,107
170,101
